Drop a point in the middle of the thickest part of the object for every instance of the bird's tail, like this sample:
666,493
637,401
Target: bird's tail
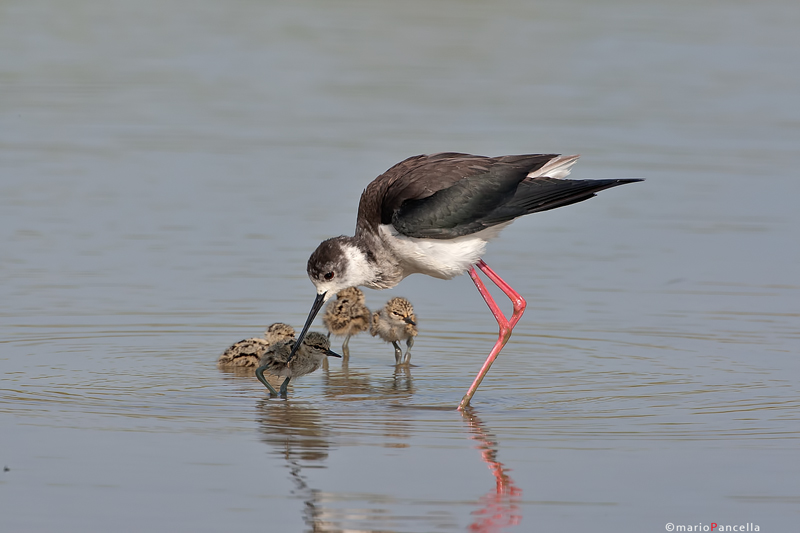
545,193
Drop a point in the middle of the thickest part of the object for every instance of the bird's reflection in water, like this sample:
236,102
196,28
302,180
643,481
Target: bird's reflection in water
296,432
347,385
302,435
500,508
402,381
236,371
247,372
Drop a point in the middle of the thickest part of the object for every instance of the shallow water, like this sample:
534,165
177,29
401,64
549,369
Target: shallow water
167,169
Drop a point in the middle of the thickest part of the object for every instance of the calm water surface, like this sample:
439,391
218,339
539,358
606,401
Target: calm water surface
166,169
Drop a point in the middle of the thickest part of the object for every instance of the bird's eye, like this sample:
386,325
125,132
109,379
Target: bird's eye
328,276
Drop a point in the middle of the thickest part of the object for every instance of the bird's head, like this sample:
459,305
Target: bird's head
337,264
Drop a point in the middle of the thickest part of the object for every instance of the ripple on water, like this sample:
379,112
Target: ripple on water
552,382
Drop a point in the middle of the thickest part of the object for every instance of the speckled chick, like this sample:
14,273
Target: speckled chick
396,322
309,356
347,316
247,353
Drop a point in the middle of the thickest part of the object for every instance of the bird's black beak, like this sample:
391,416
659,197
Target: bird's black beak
409,320
332,354
316,306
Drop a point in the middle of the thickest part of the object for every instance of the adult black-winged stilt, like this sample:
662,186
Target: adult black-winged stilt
434,214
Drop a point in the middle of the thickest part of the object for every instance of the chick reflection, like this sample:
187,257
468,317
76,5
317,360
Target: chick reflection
297,433
499,507
352,385
295,430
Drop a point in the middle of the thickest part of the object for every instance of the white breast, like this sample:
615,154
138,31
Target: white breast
440,258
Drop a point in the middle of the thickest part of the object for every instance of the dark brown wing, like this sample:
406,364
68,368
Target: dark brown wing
428,193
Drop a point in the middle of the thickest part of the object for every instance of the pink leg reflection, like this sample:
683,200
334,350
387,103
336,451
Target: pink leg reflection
499,507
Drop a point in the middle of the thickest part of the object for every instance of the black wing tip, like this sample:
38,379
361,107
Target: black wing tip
602,184
620,181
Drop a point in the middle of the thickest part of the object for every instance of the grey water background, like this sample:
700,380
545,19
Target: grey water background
166,168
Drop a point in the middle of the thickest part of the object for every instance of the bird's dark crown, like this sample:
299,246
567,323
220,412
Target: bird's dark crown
328,261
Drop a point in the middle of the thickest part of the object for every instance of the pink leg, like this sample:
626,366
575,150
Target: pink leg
506,325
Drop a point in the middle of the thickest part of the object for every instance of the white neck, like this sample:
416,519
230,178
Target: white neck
359,270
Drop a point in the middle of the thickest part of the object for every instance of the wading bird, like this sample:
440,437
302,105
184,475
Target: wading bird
307,357
434,214
396,322
249,351
347,316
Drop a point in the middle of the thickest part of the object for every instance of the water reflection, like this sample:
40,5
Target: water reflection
248,372
304,435
238,371
312,510
296,432
500,507
346,384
